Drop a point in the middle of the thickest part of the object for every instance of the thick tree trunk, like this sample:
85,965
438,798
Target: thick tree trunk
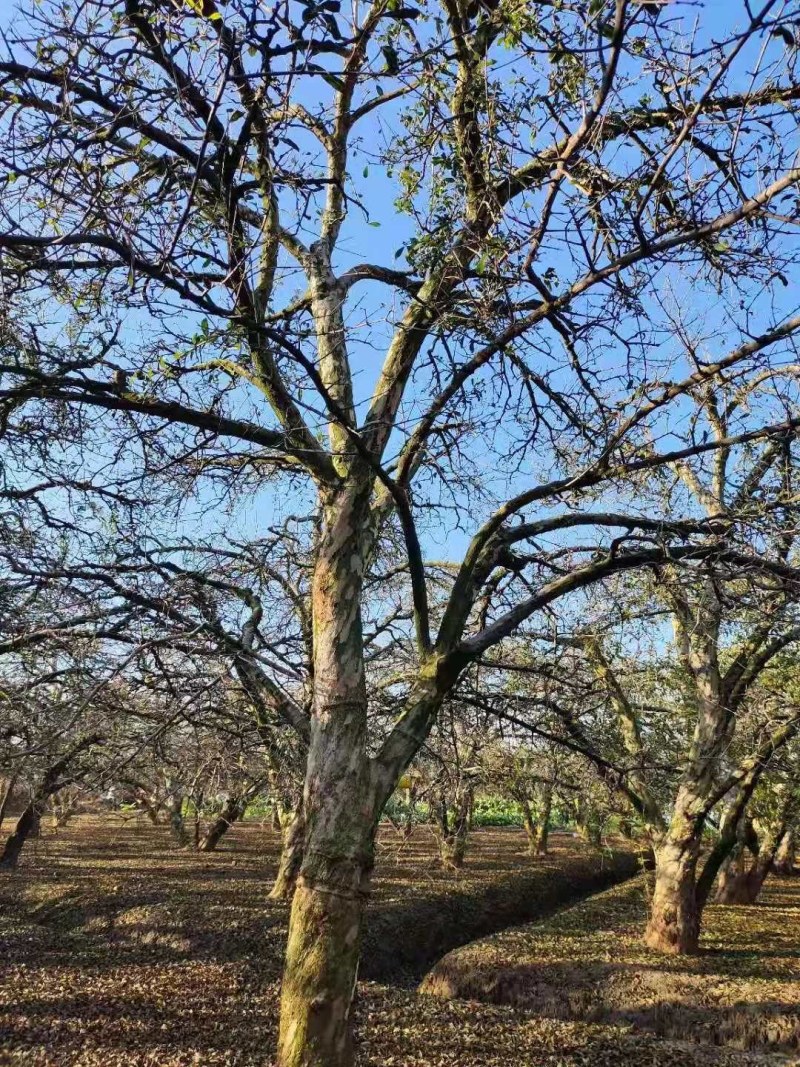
291,857
339,804
674,925
322,961
734,883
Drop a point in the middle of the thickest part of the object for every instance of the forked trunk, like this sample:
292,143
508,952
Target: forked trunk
674,925
291,857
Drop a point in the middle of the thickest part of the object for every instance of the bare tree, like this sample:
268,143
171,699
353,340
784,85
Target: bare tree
168,165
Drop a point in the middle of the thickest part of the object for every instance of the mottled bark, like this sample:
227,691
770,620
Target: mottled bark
322,962
674,925
291,857
340,811
177,824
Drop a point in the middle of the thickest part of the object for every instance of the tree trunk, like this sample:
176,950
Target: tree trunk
784,857
587,824
529,823
27,826
291,857
231,812
7,794
29,822
340,805
674,925
543,826
322,961
454,834
177,826
733,884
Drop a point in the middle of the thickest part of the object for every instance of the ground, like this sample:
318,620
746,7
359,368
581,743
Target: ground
588,963
117,949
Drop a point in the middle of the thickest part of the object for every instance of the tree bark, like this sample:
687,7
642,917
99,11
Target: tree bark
291,857
734,883
231,812
529,823
177,825
543,825
785,856
7,794
674,925
454,834
340,805
26,827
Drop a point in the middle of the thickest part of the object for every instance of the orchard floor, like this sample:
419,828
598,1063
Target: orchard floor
118,950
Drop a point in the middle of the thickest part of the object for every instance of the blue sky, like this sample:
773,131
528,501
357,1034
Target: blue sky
377,243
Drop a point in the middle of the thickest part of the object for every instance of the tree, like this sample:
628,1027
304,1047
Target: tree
193,173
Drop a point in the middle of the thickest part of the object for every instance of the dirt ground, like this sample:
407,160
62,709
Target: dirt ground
588,963
116,949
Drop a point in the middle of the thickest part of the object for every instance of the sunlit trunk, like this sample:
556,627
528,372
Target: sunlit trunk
674,924
325,924
785,856
291,857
